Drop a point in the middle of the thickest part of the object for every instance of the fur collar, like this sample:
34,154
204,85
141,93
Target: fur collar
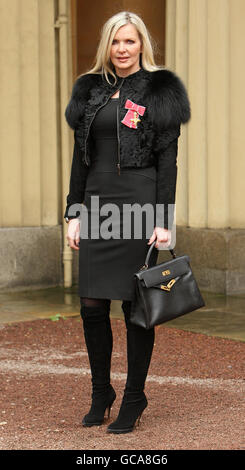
168,102
163,93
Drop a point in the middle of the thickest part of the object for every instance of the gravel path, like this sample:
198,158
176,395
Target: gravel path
195,389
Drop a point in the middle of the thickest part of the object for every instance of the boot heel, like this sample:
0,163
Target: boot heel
138,420
129,416
108,409
97,413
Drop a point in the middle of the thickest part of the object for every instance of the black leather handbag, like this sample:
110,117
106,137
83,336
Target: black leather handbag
165,291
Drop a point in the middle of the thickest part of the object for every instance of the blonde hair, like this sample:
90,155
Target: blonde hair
103,63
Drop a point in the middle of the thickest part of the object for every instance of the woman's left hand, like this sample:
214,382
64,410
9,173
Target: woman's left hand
162,237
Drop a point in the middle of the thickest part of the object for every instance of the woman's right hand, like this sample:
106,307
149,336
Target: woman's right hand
73,233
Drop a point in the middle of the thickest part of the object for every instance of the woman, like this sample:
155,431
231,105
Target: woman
126,114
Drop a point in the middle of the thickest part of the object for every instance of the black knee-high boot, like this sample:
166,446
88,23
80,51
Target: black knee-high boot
99,342
140,343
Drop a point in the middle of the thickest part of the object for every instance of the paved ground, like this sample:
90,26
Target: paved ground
195,389
222,316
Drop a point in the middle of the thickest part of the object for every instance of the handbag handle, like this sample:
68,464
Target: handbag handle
149,254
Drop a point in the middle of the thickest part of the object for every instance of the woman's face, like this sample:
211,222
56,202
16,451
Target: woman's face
125,50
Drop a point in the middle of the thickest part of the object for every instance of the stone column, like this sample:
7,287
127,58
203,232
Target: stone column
204,39
28,116
30,238
10,114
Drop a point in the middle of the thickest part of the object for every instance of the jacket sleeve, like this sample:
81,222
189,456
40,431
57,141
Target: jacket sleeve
168,107
79,172
166,176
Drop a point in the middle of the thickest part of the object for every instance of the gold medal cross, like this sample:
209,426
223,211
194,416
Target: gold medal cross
135,119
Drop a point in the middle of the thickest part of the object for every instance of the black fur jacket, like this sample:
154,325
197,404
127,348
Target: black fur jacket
153,140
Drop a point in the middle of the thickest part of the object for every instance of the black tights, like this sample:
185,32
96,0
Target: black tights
95,302
106,303
101,302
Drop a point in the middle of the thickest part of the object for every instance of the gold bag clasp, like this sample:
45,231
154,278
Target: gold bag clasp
165,273
169,285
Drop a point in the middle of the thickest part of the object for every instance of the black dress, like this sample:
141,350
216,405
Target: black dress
107,264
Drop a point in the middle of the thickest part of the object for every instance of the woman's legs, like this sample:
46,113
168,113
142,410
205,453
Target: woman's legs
95,314
140,343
